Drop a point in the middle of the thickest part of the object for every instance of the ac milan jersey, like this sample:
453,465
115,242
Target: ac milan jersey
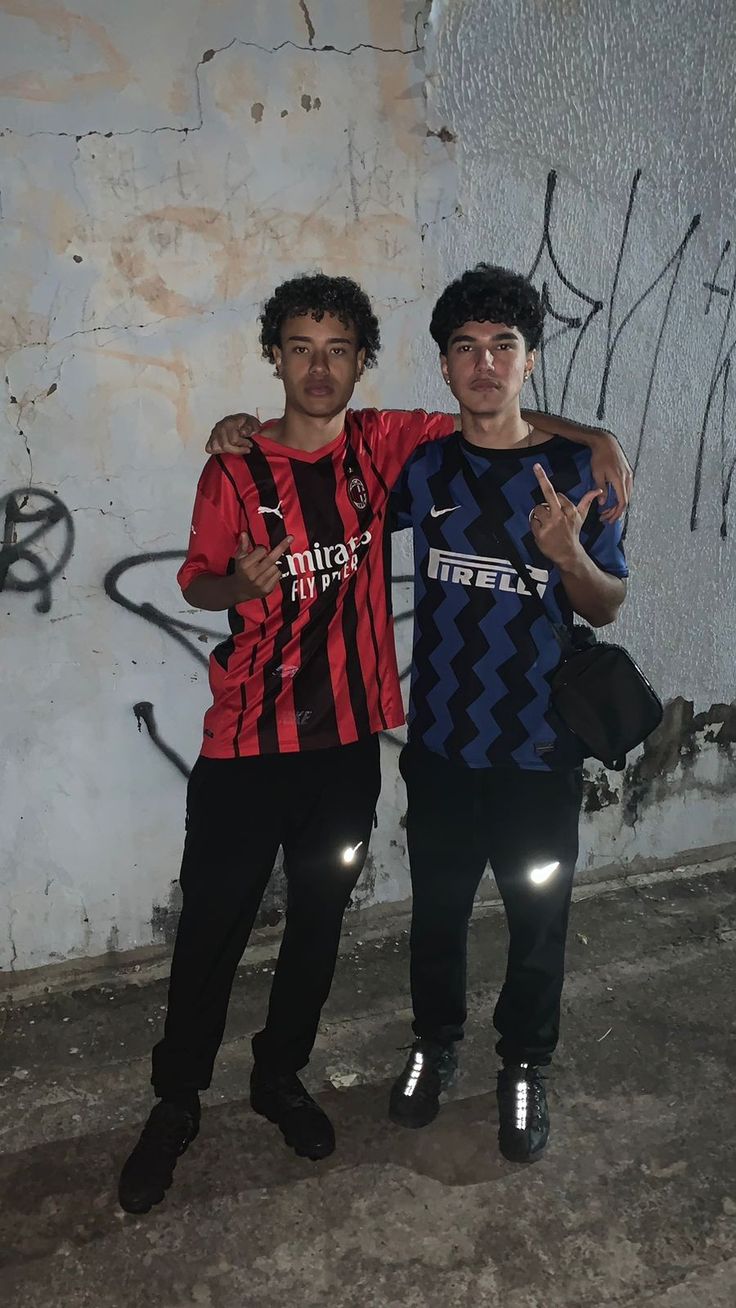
483,656
312,665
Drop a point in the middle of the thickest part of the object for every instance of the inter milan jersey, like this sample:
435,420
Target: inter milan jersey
483,656
312,665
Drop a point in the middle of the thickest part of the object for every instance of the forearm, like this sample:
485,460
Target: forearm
213,593
573,431
595,596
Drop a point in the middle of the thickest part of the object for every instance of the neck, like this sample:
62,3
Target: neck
303,431
498,431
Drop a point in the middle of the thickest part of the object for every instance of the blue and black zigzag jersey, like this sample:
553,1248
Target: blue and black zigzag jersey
483,657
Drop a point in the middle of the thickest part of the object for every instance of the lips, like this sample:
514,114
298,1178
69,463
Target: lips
318,389
485,386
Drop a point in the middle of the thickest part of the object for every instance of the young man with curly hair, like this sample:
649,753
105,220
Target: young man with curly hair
290,539
492,774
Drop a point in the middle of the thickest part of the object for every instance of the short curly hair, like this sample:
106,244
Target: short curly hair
488,293
318,294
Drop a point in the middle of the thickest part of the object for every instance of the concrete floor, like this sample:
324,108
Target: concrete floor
633,1205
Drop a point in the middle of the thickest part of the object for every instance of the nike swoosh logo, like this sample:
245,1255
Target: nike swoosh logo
438,513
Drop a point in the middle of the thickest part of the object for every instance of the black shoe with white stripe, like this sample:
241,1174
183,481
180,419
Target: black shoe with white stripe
523,1115
415,1095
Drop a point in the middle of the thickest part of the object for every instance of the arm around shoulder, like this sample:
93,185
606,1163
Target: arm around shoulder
609,464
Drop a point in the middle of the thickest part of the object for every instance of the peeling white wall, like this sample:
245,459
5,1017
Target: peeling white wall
161,170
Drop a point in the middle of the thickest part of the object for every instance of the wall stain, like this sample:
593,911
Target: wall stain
165,917
365,891
677,743
598,793
154,374
61,23
273,904
444,134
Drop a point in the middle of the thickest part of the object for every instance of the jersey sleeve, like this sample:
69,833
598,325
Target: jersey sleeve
603,541
395,434
217,521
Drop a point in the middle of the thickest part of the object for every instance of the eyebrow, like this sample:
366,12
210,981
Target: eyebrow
331,340
499,336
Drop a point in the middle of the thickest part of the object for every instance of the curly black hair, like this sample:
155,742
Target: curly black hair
488,293
318,294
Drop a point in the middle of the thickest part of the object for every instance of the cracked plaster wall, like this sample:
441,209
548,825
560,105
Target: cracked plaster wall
161,171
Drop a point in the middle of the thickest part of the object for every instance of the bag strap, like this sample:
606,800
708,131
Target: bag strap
493,501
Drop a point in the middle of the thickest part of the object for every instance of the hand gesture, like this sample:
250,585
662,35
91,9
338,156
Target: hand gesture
610,466
257,570
232,435
557,522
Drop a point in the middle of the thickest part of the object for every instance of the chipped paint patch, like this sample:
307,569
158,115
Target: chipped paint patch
598,793
666,763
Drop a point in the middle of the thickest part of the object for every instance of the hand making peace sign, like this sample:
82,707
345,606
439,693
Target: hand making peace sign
557,522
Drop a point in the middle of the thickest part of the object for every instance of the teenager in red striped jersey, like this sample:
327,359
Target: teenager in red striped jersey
290,539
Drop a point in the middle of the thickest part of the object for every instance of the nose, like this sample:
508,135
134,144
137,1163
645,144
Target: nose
318,363
485,361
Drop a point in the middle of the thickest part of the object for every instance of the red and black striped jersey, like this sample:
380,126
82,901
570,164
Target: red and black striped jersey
312,665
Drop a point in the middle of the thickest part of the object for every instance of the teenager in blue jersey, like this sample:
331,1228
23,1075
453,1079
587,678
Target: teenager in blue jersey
491,773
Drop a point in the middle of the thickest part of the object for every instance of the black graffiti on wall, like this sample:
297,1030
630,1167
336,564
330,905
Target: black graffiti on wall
575,310
189,635
145,717
180,631
717,403
38,535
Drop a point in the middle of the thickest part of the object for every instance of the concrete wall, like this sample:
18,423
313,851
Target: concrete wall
162,169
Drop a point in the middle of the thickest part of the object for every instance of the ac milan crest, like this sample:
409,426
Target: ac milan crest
357,493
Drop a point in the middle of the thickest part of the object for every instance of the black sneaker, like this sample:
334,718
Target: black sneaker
523,1116
415,1095
149,1171
283,1099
